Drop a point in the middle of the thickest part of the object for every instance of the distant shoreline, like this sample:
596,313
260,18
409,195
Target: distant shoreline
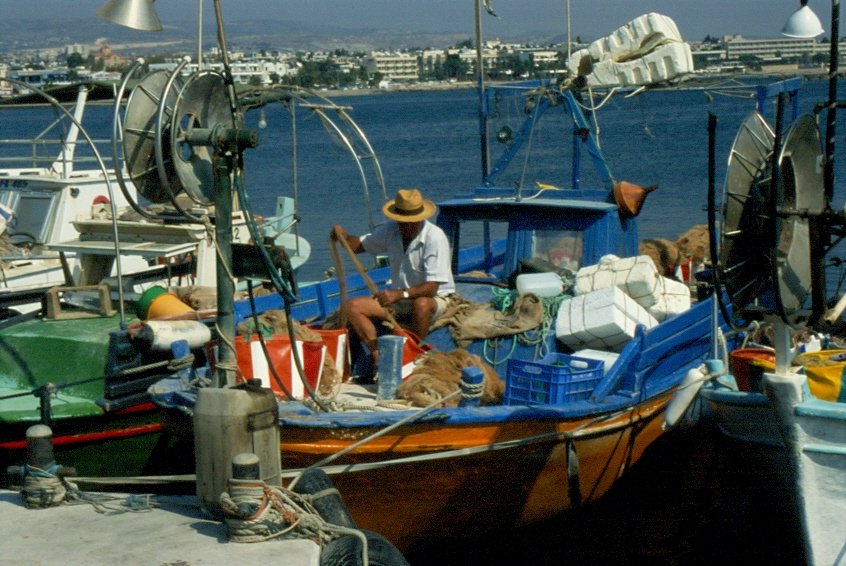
774,73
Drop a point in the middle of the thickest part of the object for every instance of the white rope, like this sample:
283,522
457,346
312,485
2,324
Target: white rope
471,391
43,488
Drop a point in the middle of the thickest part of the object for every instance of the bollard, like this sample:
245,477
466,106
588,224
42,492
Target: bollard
246,466
39,453
389,372
471,384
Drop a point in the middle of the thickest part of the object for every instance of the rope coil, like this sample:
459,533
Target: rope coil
42,488
471,390
256,512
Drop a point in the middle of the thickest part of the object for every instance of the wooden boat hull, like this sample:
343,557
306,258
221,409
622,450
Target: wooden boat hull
431,481
128,443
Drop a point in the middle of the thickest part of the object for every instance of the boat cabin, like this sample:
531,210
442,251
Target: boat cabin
494,232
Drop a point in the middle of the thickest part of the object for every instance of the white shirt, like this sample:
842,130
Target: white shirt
426,259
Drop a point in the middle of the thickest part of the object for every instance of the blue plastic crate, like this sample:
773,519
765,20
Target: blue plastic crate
554,380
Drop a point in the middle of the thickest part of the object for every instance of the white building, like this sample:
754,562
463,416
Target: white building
784,47
393,66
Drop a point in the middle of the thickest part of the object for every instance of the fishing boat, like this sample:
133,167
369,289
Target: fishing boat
122,260
783,400
586,389
46,183
562,436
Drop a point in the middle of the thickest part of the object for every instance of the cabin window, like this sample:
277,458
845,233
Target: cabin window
33,213
560,248
479,248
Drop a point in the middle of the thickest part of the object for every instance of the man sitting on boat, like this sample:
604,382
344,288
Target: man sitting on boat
421,273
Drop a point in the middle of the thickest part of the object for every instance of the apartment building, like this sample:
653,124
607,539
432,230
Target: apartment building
400,67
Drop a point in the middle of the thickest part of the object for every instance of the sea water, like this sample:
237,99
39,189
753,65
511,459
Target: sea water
430,140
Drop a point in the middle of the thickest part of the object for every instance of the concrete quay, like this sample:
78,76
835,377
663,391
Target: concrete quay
174,532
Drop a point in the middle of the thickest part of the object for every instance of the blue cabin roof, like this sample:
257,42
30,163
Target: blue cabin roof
589,212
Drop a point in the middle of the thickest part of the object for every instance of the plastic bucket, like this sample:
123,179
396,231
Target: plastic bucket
156,302
748,366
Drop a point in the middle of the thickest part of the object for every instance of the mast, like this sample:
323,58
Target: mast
483,107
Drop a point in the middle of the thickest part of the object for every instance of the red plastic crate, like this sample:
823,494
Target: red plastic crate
554,380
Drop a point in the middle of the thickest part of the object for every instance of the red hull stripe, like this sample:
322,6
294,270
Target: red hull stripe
90,437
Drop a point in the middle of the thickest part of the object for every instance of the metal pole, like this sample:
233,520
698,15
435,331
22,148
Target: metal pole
831,118
483,105
569,42
199,35
223,167
820,239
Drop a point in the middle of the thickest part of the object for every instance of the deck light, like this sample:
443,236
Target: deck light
803,23
135,14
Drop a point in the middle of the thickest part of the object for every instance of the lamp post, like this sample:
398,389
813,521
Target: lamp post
228,144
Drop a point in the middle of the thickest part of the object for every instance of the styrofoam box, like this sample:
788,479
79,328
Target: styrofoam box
675,299
665,63
605,319
637,276
629,37
541,284
610,358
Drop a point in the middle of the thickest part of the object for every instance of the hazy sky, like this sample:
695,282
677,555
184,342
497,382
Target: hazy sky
589,18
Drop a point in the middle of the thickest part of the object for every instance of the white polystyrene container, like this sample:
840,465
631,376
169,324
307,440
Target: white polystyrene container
540,284
636,276
674,299
602,320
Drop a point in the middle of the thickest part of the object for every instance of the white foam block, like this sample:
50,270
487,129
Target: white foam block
610,358
648,49
674,299
605,319
636,276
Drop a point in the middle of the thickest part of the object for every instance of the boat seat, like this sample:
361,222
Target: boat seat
91,304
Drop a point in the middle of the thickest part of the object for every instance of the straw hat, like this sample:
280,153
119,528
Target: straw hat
408,206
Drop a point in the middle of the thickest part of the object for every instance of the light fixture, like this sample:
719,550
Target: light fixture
135,14
803,23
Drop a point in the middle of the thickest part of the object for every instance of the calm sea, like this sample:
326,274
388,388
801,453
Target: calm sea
430,140
694,498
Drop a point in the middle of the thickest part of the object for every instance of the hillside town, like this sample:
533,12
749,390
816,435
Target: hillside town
344,70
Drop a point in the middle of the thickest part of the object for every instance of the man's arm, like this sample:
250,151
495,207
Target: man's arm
390,296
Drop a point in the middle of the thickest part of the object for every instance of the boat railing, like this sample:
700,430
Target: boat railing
41,153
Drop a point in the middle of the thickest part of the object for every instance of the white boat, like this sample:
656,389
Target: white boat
788,425
788,409
45,194
60,235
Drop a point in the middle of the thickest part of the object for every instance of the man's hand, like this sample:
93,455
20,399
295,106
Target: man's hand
337,233
388,297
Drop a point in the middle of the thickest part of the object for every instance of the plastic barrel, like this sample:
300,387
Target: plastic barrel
228,422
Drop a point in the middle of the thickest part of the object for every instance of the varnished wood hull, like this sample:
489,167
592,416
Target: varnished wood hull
433,482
